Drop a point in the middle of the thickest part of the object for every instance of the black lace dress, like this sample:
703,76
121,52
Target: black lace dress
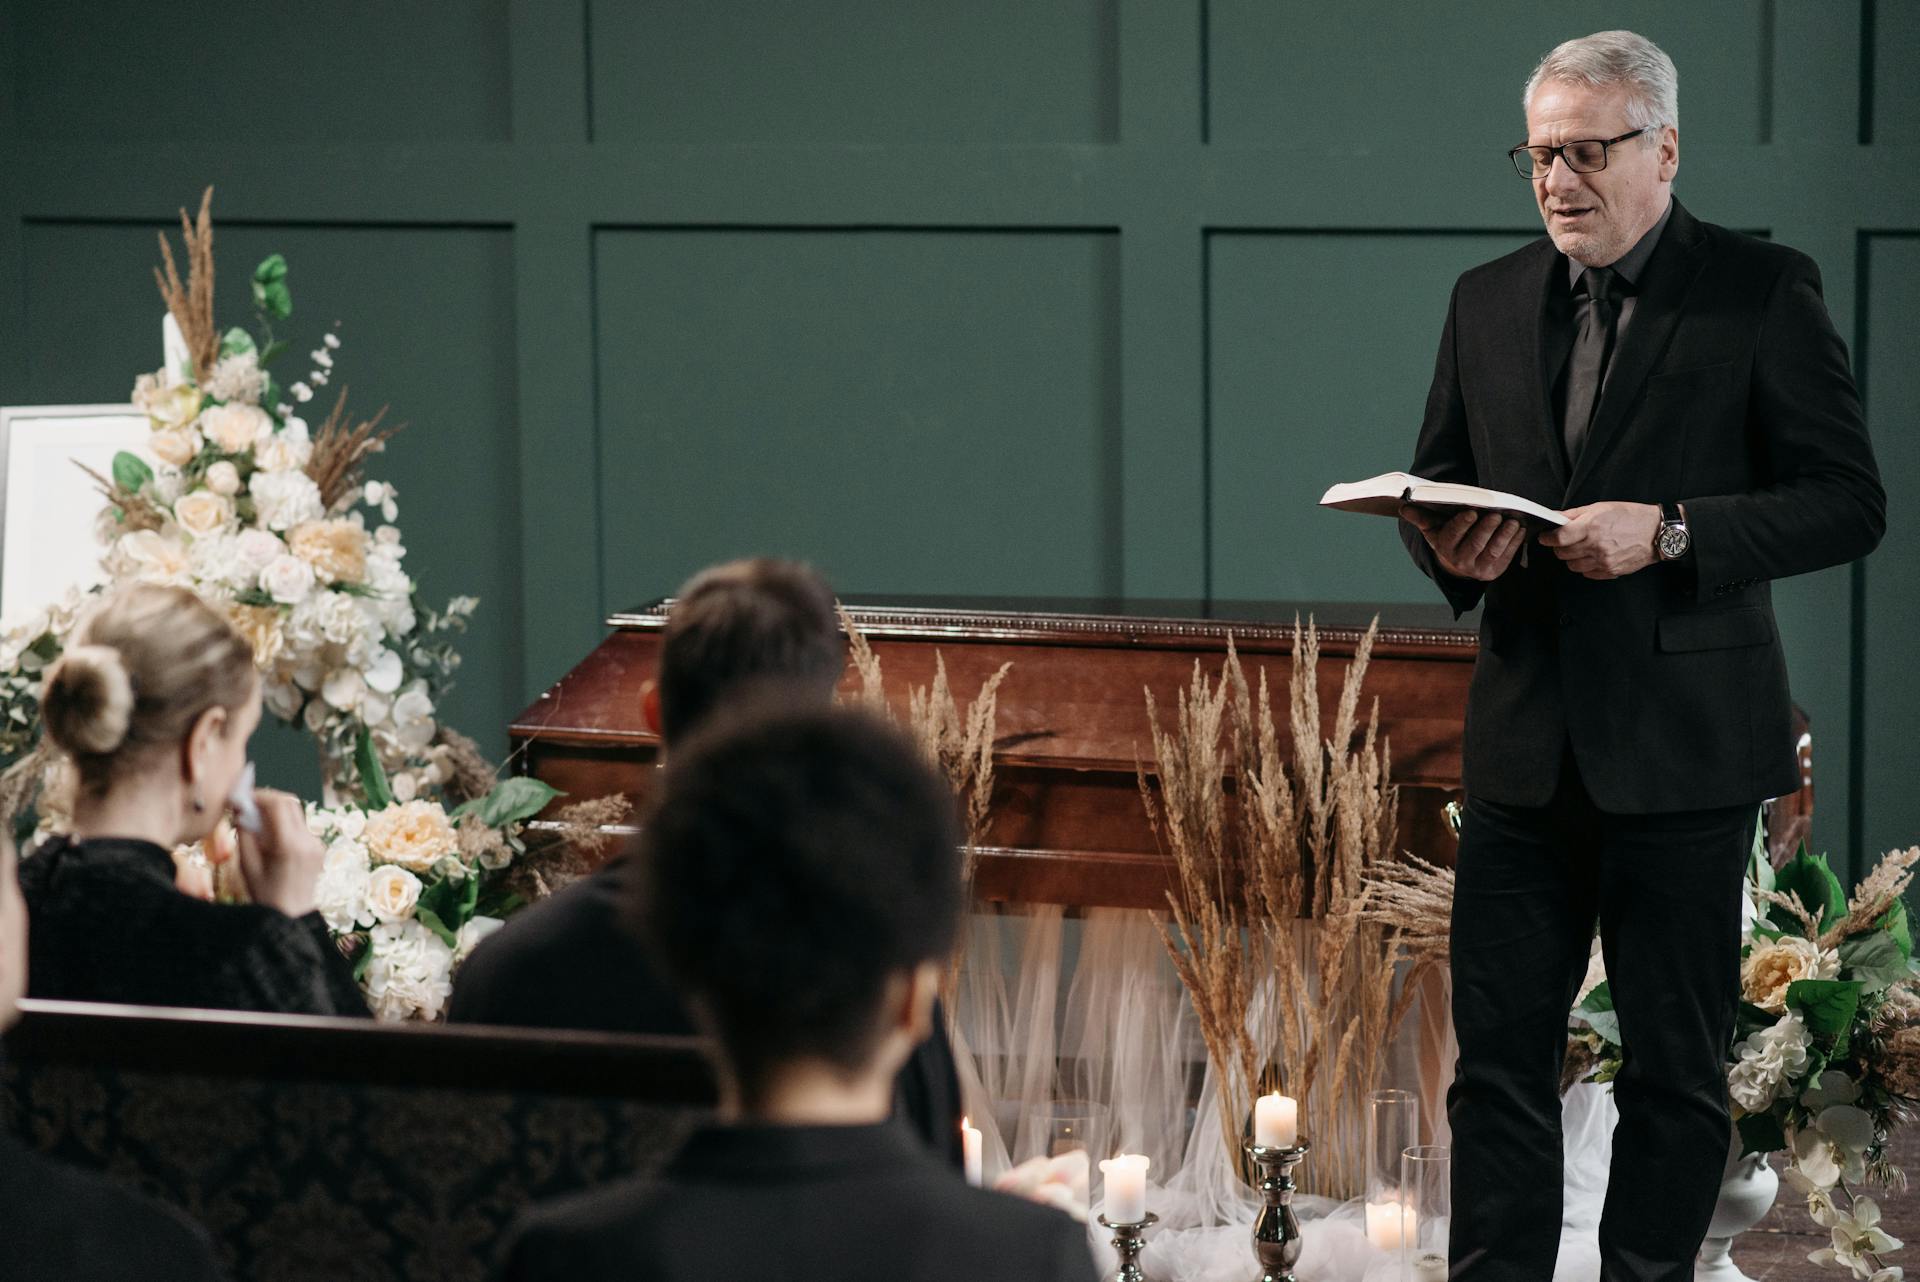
106,924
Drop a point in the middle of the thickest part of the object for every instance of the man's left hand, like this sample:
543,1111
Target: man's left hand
1606,540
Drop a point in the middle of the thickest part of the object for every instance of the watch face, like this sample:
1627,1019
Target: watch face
1673,541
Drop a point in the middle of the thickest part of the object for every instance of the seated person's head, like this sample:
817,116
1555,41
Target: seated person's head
154,699
742,625
801,884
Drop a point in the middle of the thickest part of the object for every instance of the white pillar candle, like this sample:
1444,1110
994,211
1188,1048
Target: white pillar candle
970,1150
1126,1188
1276,1121
1389,1224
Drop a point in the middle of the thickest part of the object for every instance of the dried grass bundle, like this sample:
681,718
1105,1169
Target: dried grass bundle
137,511
470,775
340,451
1293,860
1878,891
191,303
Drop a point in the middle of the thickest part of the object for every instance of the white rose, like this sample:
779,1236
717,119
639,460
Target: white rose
235,428
392,892
257,549
287,579
203,512
223,478
175,446
278,453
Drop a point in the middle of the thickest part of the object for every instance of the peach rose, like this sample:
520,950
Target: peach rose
337,550
1776,963
202,512
223,478
413,834
175,446
262,628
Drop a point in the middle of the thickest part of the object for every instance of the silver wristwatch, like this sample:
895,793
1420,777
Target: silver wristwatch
1671,542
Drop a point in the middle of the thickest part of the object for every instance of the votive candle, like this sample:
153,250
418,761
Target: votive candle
1389,1224
970,1150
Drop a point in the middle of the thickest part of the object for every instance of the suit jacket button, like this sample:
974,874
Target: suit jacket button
1566,620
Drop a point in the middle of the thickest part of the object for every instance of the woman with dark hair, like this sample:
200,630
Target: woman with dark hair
153,701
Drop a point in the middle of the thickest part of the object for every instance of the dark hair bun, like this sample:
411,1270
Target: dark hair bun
88,700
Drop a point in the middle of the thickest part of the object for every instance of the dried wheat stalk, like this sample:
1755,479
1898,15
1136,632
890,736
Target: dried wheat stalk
137,511
340,451
1878,891
191,303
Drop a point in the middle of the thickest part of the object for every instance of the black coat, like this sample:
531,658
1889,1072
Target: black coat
105,924
575,960
1729,393
59,1224
798,1204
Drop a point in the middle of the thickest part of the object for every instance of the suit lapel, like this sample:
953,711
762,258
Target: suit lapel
1675,264
1550,347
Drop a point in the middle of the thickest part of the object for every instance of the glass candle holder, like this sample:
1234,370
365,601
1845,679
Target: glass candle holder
1393,1126
1426,1179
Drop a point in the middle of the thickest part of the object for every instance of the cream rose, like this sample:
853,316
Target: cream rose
223,478
281,453
337,550
287,579
169,405
175,446
202,512
1774,964
392,893
412,834
235,428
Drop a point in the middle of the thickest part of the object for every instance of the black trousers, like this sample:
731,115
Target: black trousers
1665,890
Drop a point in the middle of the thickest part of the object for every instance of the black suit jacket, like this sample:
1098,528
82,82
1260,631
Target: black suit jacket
59,1224
797,1204
574,960
1730,393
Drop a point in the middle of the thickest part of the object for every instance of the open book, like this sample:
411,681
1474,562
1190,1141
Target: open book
1382,496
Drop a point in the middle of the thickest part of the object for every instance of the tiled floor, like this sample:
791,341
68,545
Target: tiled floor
1776,1250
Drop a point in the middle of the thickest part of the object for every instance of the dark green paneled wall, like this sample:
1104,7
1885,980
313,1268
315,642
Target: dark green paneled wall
1076,297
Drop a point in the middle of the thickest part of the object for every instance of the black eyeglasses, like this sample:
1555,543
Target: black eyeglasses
1583,156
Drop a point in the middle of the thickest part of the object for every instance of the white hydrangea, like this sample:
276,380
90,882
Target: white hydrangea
1770,1061
471,935
222,560
342,888
283,500
339,619
410,973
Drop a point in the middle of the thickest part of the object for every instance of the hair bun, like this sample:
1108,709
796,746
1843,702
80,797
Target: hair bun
88,700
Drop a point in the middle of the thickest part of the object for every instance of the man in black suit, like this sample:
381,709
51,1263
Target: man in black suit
1679,391
574,960
61,1224
800,881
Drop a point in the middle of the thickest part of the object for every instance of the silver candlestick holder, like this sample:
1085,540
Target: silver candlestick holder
1276,1233
1129,1240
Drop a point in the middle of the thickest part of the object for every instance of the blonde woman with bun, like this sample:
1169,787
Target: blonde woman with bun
154,700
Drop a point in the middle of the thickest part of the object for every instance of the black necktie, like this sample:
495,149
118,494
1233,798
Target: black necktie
1592,347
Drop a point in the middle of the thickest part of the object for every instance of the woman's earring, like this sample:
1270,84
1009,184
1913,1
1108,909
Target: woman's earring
198,805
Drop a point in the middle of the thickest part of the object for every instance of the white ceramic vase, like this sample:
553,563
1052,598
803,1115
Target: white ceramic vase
1747,1193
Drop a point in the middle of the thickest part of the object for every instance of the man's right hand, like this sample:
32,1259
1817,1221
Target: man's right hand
1469,544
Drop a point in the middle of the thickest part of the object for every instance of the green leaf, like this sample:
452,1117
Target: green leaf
1596,1008
451,903
130,471
431,920
513,800
1894,922
363,960
271,351
373,776
252,596
1827,1006
498,902
1874,960
236,342
1809,877
1760,1133
270,288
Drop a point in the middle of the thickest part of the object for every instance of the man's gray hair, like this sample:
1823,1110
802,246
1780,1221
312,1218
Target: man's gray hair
1608,58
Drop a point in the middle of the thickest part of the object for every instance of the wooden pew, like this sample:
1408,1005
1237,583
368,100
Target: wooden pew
343,1149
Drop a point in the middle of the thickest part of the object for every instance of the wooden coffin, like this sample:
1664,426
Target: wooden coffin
1068,824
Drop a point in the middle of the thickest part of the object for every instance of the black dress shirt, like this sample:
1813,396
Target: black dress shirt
107,924
797,1204
1570,307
